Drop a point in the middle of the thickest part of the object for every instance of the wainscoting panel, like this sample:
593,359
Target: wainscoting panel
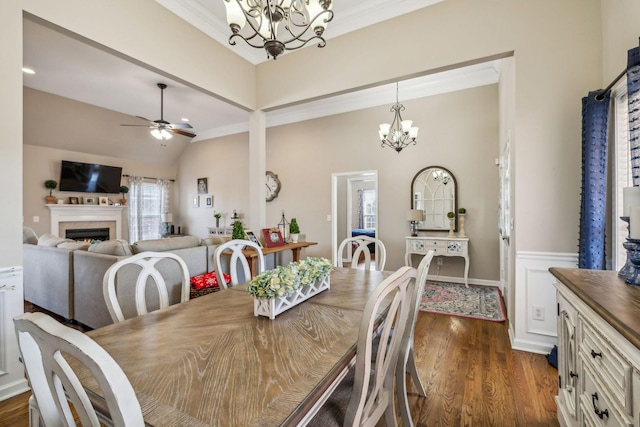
534,326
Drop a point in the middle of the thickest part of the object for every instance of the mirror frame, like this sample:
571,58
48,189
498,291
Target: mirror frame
455,197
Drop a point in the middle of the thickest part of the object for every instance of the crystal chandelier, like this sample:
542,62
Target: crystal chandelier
300,22
399,133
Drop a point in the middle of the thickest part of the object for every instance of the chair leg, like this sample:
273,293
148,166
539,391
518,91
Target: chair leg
401,394
34,413
411,368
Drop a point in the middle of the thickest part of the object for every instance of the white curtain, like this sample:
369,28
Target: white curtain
135,208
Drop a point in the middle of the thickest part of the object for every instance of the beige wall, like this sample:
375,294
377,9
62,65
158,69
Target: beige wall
225,162
42,163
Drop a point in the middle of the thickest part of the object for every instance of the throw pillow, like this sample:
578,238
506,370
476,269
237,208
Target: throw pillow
117,247
82,246
50,240
208,280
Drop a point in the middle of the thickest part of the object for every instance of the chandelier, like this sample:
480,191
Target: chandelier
300,22
399,133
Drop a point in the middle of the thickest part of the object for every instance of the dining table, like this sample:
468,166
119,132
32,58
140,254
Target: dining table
211,362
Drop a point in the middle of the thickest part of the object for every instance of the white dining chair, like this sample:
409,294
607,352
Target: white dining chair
406,360
45,346
359,245
119,287
366,392
234,249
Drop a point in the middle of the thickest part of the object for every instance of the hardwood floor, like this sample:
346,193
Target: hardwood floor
471,375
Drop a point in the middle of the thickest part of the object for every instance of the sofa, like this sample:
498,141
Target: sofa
65,277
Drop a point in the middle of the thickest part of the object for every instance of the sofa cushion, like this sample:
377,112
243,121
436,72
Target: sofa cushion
208,280
214,240
82,246
164,245
51,241
29,236
116,247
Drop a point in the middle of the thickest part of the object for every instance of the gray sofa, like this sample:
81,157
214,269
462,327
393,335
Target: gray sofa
65,277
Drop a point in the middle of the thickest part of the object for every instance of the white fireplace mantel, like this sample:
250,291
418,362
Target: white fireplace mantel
77,213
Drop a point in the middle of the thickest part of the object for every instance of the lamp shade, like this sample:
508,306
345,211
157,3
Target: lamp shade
414,215
167,217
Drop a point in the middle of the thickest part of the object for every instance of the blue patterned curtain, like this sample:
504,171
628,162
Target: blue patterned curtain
595,119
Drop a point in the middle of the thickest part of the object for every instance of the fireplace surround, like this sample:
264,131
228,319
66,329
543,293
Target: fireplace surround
64,217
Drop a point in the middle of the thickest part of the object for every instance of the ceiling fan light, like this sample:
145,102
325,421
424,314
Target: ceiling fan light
165,134
156,133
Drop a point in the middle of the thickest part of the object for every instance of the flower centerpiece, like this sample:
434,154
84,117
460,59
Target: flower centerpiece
283,287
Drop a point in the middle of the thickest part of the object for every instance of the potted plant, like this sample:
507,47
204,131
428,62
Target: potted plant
462,211
51,185
294,230
238,231
124,190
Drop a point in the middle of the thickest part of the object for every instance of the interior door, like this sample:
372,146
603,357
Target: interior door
344,208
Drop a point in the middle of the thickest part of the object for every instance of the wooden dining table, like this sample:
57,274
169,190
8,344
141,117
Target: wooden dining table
211,362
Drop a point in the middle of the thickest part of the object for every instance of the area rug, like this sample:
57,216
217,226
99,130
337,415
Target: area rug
477,302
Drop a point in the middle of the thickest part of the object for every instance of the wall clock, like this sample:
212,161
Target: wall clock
273,186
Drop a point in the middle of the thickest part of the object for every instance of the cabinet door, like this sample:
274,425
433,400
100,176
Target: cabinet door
567,358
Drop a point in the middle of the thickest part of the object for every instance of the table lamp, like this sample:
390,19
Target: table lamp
414,216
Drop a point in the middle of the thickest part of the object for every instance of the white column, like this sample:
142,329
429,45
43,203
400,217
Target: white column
257,167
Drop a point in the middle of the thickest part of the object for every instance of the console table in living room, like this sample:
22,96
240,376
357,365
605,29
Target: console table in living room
442,246
295,249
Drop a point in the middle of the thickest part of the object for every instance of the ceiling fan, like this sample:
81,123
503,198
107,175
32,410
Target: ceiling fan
162,129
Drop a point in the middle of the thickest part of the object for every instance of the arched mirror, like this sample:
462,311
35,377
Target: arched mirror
434,192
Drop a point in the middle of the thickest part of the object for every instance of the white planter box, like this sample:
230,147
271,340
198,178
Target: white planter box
272,307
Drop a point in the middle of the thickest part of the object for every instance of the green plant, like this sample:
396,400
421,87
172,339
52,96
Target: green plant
238,230
284,280
451,215
51,185
217,215
293,227
462,211
124,190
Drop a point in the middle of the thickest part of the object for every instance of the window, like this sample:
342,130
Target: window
148,201
369,209
622,176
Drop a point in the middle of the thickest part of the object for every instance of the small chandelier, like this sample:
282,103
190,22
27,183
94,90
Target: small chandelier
303,21
399,133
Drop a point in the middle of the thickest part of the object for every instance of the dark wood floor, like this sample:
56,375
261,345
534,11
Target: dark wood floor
472,377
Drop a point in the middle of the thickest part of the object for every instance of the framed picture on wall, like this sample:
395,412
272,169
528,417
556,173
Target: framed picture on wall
203,186
196,201
272,237
251,236
208,201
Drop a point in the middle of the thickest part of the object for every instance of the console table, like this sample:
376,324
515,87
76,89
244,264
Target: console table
295,249
442,246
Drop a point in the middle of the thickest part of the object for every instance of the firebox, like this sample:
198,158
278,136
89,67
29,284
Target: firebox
87,234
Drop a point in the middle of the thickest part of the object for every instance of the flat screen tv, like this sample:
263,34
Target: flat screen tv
90,178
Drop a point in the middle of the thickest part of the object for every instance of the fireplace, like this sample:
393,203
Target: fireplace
87,234
69,217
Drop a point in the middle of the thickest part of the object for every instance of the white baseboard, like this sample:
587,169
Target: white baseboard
15,388
458,279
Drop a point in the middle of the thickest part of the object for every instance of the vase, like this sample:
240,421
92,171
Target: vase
50,200
461,223
271,307
294,237
217,222
452,223
123,202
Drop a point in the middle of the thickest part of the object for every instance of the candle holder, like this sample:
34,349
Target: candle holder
633,251
628,268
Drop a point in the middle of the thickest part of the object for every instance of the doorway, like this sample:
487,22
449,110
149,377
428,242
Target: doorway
354,206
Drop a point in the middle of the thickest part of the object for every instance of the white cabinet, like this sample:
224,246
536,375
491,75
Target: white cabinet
598,349
442,246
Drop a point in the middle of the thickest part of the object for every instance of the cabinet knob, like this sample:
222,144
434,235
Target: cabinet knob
594,354
573,374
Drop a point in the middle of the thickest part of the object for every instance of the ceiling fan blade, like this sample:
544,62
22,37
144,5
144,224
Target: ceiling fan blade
181,126
147,120
182,132
146,126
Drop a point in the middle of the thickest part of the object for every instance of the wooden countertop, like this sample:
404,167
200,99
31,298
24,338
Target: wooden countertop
608,295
